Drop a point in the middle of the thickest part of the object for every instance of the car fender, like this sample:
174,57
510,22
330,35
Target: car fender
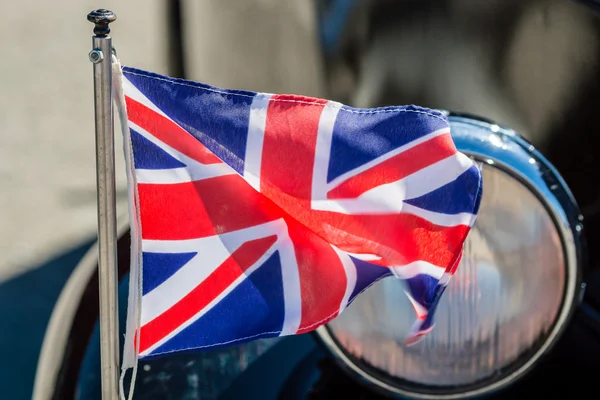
70,304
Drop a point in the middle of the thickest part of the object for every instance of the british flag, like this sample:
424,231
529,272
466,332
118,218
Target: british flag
258,215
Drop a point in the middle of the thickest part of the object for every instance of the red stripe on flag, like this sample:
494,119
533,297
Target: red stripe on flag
206,292
322,277
396,167
286,174
398,238
288,152
169,132
201,208
286,179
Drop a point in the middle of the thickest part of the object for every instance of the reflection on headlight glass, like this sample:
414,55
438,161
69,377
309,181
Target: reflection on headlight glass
503,299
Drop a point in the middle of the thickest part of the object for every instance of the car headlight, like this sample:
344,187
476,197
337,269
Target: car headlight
515,289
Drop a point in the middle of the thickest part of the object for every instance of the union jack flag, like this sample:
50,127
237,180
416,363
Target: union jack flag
258,215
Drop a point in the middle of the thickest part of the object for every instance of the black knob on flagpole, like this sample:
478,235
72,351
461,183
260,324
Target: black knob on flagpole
101,18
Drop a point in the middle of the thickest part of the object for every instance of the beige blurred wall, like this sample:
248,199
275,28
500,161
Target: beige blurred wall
47,155
263,45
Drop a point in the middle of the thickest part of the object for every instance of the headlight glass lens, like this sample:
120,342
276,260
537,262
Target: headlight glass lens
496,311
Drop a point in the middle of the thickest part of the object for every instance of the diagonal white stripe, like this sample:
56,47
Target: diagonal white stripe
350,271
340,179
419,309
167,294
430,178
389,198
131,91
215,301
192,172
212,252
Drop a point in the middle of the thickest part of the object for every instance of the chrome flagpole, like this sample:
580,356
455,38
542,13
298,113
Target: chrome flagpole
101,57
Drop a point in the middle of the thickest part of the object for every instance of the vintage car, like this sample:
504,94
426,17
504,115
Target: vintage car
519,81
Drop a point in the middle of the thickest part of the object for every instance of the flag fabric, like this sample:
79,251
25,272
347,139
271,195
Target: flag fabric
257,215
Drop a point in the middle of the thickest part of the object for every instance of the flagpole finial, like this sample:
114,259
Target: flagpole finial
101,18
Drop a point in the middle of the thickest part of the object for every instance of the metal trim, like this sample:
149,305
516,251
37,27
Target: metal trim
504,148
54,345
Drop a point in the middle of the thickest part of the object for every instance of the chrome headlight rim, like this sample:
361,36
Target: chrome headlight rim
501,148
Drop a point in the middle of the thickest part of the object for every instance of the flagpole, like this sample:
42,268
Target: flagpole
100,56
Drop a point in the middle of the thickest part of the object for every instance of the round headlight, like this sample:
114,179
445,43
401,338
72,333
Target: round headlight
506,305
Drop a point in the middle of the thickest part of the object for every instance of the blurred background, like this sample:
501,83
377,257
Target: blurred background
529,65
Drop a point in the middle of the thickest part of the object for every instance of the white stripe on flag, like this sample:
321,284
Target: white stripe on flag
350,270
416,268
212,252
214,302
389,198
181,175
254,142
193,171
437,218
419,309
323,149
340,179
232,239
290,276
182,282
132,92
428,179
